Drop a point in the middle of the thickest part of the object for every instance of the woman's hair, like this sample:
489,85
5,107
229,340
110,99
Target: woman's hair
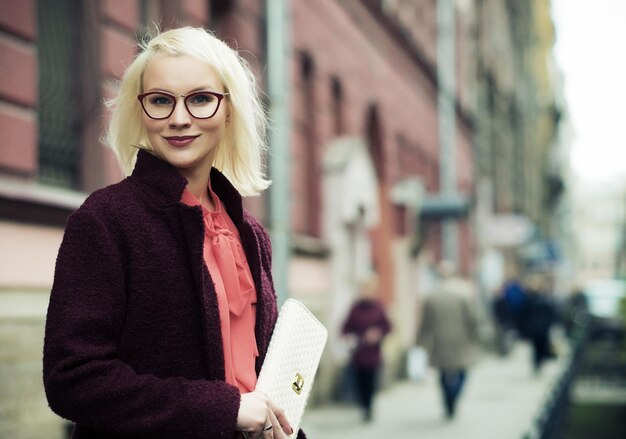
240,154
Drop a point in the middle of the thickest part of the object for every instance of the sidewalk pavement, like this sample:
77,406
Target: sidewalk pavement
501,400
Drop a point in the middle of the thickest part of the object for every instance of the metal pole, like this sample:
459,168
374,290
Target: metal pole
446,35
278,55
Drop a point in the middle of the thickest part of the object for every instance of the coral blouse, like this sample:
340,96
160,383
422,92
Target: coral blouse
236,294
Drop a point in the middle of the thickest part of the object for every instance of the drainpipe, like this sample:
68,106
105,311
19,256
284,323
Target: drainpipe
278,55
446,96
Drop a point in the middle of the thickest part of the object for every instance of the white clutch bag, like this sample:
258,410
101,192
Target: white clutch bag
292,359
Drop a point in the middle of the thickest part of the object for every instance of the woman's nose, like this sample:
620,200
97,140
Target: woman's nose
180,116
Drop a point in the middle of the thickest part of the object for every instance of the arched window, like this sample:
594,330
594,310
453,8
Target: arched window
337,105
375,140
311,203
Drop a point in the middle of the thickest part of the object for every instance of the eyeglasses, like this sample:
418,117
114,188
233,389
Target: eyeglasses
200,104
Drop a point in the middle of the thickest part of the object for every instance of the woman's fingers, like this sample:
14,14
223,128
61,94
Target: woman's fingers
268,432
259,417
276,428
253,414
280,418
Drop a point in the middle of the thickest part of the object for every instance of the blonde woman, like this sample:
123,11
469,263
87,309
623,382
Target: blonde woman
163,303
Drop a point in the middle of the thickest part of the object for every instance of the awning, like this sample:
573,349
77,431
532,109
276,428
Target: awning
445,206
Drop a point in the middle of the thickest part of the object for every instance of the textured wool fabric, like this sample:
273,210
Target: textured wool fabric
133,346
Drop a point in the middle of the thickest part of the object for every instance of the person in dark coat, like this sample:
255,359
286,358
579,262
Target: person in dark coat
514,301
538,317
163,304
367,322
508,306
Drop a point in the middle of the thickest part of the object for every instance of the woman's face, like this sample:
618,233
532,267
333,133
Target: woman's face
187,143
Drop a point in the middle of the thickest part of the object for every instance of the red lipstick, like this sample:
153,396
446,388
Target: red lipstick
180,141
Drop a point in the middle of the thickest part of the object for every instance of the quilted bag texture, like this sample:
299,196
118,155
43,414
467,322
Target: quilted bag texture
292,360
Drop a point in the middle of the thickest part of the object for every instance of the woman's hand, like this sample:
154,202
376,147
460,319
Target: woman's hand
259,417
373,335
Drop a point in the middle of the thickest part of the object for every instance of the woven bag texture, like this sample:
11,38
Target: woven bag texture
292,360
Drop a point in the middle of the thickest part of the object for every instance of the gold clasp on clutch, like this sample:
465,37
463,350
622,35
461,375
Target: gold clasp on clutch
298,384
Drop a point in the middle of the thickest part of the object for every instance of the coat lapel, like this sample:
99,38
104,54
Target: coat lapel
193,230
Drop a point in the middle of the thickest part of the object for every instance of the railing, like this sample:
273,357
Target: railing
548,422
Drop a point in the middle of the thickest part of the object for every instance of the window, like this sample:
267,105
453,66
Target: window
337,110
311,171
59,154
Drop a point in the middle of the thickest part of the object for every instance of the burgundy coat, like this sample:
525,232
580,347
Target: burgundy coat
365,314
133,343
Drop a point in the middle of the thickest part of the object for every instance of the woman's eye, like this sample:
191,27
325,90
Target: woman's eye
200,99
161,100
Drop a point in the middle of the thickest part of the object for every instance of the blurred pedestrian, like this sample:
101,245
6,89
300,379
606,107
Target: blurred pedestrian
514,301
575,314
504,323
449,332
162,305
507,308
367,322
538,317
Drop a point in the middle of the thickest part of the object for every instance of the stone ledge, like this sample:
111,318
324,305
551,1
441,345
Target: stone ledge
24,305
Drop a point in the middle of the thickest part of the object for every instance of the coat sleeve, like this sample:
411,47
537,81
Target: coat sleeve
425,330
471,319
85,380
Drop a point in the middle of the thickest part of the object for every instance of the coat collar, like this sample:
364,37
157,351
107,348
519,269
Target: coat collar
164,185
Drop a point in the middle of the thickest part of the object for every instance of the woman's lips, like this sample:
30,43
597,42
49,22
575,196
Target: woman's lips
180,141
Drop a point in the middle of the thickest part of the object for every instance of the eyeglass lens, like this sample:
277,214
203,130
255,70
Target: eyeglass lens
201,105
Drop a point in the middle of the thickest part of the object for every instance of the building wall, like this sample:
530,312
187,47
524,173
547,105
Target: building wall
25,270
597,224
348,42
525,105
357,46
18,90
517,115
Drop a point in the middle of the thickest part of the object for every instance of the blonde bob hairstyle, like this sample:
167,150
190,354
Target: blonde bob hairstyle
240,154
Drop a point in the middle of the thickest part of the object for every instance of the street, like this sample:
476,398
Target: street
501,401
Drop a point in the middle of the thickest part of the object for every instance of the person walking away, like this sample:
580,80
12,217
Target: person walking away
503,323
515,301
449,332
367,322
538,317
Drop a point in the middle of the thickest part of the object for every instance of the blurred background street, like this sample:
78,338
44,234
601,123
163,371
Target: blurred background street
503,399
405,133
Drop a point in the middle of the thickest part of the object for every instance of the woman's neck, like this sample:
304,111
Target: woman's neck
197,184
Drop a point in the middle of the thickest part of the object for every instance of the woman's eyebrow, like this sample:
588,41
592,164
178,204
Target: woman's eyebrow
193,90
